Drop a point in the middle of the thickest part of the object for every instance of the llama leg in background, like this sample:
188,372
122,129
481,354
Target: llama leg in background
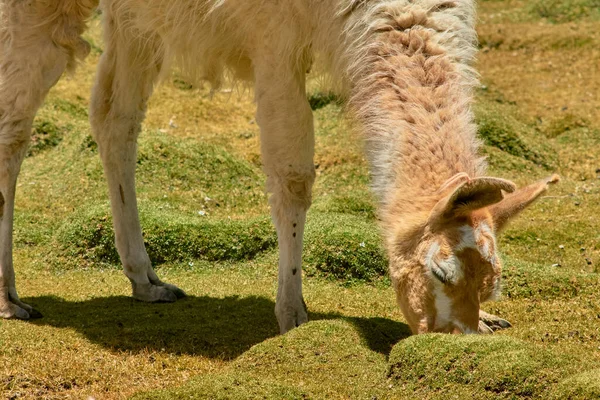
287,145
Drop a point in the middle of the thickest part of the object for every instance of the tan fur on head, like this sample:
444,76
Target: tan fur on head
445,265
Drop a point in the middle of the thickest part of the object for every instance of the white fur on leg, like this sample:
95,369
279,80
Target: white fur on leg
287,146
30,64
290,308
120,94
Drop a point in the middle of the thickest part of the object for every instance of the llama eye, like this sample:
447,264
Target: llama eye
439,273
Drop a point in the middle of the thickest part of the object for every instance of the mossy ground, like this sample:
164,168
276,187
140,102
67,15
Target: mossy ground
206,225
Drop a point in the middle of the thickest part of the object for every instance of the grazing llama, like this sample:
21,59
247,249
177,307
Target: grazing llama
404,67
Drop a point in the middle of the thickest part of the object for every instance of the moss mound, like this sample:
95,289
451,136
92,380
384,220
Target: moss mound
344,247
336,245
561,11
500,128
227,386
356,204
269,370
581,386
566,123
169,236
187,164
523,280
486,366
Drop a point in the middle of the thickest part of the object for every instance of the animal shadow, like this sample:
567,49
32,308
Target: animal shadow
221,328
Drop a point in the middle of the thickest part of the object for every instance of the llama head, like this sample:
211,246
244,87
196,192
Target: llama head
452,265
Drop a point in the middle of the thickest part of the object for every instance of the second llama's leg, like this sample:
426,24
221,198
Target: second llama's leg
125,79
287,146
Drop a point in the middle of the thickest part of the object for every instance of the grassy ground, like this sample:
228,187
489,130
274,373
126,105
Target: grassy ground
207,229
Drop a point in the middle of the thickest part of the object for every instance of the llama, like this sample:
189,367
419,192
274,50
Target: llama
404,67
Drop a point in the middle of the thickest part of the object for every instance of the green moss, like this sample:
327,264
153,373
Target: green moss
500,161
168,236
181,84
184,171
344,247
572,42
74,110
488,366
89,144
338,246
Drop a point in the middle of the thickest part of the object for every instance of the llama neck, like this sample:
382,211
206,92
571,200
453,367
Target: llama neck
412,102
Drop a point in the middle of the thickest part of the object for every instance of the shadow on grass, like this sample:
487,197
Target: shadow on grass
212,327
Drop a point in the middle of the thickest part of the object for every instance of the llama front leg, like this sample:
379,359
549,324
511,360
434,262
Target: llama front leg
14,137
30,64
287,146
125,78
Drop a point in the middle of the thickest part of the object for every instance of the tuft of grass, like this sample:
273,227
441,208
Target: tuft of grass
319,100
45,135
489,366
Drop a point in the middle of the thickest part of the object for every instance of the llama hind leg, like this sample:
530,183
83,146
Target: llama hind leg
287,145
126,75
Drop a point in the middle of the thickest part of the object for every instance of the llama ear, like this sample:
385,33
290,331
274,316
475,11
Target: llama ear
517,201
470,196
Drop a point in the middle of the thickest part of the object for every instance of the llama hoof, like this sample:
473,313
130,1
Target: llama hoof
12,307
35,314
484,329
9,310
290,316
180,294
151,293
492,322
